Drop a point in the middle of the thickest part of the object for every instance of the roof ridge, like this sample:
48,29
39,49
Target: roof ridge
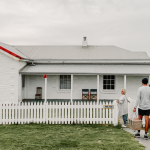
64,45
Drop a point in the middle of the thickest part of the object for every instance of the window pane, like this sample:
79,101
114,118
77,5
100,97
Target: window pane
104,81
69,77
108,82
69,85
112,77
65,85
65,76
105,76
61,76
109,77
104,86
112,81
108,86
112,87
65,81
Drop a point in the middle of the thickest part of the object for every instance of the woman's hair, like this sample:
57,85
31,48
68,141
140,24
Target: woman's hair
124,91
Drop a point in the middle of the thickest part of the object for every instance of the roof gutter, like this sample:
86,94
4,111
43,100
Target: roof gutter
27,60
92,59
91,62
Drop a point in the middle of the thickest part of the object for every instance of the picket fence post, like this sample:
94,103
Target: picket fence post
44,111
115,113
1,113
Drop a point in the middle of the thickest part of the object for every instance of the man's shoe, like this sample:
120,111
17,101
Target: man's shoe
145,137
124,126
137,135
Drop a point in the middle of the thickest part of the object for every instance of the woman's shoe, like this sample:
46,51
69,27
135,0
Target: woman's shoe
124,126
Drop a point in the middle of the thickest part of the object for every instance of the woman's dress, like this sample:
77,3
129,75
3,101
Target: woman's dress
122,105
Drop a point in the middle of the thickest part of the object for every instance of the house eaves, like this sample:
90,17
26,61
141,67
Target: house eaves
91,61
87,69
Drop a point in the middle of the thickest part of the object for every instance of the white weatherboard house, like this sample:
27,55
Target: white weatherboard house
70,69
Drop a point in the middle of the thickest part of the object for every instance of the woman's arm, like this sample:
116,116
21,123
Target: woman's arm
121,100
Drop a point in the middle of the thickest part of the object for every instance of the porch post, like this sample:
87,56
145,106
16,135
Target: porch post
97,97
45,76
71,87
125,82
97,89
20,88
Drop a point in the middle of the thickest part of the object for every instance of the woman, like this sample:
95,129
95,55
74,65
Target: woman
123,106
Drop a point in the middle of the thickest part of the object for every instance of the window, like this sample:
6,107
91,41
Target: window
65,81
108,82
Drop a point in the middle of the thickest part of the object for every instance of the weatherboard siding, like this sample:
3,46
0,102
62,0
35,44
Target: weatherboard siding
80,82
8,79
9,83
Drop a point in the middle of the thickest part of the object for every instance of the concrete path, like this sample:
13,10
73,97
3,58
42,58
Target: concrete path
141,140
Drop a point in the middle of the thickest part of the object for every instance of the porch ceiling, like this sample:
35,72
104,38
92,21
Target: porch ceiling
87,69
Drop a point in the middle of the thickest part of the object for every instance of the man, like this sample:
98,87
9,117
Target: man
143,100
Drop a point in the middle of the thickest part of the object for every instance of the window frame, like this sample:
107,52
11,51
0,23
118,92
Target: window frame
110,90
60,83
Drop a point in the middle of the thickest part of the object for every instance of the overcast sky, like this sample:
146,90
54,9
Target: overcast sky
123,23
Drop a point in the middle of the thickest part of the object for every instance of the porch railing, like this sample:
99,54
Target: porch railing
58,113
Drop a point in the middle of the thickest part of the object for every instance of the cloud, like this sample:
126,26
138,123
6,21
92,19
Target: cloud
122,23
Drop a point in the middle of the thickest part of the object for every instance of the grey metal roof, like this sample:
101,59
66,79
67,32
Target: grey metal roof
87,69
13,49
79,52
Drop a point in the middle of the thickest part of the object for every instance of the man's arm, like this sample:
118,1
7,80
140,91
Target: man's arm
138,98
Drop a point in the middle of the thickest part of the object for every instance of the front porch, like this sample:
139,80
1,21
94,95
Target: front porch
51,90
66,82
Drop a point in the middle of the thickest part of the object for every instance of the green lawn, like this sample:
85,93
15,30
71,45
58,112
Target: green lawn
66,137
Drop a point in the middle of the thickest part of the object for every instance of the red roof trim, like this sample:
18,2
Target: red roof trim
9,52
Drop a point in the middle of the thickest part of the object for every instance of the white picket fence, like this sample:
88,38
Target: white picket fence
58,113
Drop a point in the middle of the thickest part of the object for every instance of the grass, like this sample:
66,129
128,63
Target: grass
66,137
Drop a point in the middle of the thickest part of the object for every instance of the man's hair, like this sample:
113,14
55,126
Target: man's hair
144,80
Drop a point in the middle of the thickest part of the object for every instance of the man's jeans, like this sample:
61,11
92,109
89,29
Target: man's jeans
124,119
